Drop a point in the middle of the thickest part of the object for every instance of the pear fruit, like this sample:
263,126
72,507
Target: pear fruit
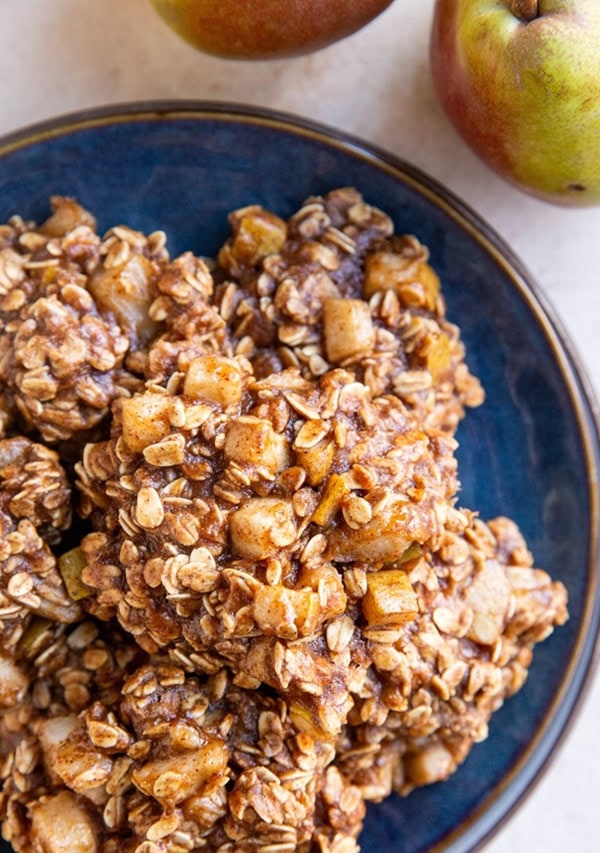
520,80
265,29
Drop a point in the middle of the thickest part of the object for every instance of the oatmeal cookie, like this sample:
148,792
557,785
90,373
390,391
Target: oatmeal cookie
73,316
436,682
104,754
233,513
335,287
35,510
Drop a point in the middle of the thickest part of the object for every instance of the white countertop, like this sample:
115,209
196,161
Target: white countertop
65,55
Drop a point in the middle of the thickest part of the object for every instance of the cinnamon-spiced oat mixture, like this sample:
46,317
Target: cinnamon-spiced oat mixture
238,596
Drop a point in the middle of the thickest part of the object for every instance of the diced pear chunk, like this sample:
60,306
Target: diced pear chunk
147,418
71,756
438,357
261,526
259,233
385,538
254,441
13,683
390,600
489,598
61,824
286,612
56,730
392,271
172,780
316,461
126,291
214,378
67,214
348,329
327,582
432,764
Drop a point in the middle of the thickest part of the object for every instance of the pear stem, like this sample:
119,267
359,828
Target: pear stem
526,10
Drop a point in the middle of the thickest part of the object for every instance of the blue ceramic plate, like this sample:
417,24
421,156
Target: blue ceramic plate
531,452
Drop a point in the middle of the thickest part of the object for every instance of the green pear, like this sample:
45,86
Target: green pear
520,80
264,29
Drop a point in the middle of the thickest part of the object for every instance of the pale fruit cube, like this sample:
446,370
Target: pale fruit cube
390,600
172,780
348,329
253,441
259,233
214,378
316,461
147,418
284,612
489,599
432,764
261,526
61,824
13,683
70,755
126,291
384,539
391,271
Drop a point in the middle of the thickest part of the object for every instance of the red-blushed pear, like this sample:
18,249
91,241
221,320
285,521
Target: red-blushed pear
265,29
520,80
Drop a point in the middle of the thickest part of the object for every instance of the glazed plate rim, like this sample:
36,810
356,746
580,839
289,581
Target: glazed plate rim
508,795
